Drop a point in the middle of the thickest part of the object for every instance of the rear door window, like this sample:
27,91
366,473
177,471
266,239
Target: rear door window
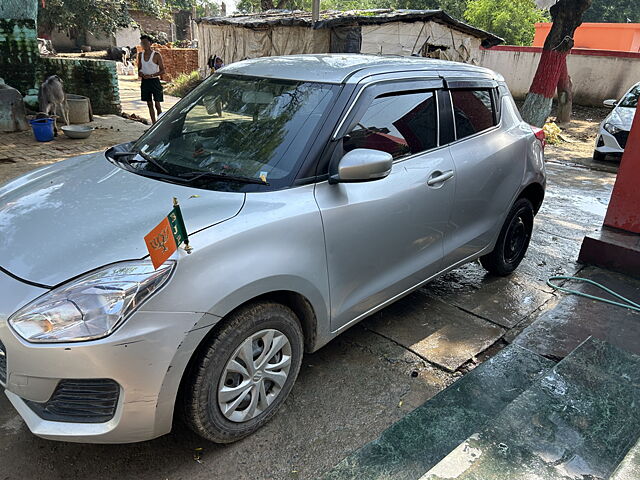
399,124
473,111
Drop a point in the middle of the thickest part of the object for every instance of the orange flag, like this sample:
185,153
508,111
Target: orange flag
160,243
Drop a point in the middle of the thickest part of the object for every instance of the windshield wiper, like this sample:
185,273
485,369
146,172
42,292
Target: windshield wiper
147,158
191,176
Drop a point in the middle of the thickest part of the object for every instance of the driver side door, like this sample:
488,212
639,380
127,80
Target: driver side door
385,237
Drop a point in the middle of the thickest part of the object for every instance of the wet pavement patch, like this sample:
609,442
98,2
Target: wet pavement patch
436,331
577,421
418,441
557,332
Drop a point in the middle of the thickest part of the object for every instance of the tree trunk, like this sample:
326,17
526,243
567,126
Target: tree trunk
565,96
567,16
266,5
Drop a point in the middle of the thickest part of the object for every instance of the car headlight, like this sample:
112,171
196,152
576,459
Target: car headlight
91,306
611,128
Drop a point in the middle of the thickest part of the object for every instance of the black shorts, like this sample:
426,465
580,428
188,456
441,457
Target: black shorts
151,87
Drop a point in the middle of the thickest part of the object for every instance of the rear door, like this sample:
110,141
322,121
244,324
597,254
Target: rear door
384,237
489,152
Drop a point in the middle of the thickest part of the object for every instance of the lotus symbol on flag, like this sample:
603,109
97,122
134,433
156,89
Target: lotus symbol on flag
160,241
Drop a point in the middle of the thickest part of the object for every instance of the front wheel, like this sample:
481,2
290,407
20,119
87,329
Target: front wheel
243,377
599,156
513,240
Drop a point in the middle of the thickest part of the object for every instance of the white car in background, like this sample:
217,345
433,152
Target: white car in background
614,130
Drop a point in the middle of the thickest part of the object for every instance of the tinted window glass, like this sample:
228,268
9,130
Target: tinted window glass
397,124
631,98
237,126
473,111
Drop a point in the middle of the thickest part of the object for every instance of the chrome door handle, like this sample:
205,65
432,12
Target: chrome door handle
439,177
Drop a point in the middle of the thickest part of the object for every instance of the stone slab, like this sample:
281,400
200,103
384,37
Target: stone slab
417,442
435,330
560,330
629,468
612,249
578,421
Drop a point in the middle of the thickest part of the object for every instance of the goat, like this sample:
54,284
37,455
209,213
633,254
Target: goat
51,97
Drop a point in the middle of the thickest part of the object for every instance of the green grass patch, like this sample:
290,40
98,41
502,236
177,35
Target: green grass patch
183,84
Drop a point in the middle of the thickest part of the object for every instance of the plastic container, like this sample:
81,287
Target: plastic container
79,109
42,129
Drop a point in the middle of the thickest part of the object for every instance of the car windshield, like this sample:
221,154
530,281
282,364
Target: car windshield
235,129
631,98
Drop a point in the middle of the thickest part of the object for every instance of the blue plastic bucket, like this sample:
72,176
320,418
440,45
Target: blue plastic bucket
42,129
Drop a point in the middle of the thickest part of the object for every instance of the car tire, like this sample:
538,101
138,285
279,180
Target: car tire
215,376
599,156
513,240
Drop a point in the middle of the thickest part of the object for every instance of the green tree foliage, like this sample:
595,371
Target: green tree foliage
513,20
78,17
455,8
613,11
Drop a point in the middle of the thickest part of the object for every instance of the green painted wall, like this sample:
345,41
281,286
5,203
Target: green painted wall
19,55
22,67
19,9
96,79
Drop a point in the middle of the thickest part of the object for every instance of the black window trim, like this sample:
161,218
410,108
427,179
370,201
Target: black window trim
408,91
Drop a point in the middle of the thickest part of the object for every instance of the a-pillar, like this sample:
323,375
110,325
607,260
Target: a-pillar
617,246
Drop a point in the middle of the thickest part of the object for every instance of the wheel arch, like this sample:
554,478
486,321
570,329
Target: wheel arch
296,301
534,192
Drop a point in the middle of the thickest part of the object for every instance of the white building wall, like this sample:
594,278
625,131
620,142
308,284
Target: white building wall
595,77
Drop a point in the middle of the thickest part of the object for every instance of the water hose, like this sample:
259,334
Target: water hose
628,303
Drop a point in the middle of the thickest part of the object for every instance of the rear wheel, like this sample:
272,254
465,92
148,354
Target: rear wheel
513,240
243,377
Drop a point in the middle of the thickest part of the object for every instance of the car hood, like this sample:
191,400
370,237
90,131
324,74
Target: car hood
82,213
622,117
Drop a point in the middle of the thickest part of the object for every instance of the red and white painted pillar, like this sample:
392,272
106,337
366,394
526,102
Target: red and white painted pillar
617,247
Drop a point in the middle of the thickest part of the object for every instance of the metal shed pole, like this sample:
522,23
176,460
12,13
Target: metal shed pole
315,10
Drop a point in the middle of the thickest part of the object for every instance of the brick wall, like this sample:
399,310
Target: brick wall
177,60
151,24
96,79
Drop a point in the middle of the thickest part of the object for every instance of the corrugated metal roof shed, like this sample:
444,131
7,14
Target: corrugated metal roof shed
329,19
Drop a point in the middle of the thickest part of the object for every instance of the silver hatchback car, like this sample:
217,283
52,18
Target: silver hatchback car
315,189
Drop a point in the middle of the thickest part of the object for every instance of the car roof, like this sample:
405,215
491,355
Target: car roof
347,68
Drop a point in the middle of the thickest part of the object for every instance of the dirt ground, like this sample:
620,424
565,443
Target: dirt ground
21,153
579,140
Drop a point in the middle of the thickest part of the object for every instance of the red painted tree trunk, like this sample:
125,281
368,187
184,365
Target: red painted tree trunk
565,96
552,70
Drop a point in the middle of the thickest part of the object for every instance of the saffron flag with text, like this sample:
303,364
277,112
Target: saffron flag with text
167,236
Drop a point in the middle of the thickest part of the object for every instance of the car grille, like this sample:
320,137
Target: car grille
3,364
80,401
622,137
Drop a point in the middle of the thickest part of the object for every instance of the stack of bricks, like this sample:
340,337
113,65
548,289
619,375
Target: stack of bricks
176,60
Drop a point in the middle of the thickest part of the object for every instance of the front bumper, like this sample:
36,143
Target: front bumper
146,357
610,144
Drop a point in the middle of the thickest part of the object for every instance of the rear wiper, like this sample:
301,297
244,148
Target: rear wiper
191,176
147,158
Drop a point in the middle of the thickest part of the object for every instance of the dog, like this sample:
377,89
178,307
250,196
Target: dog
51,98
